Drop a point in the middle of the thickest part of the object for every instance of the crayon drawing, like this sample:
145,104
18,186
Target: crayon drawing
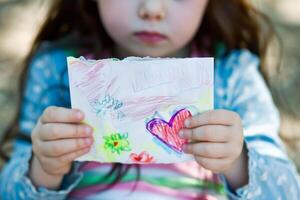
116,143
142,158
167,132
138,105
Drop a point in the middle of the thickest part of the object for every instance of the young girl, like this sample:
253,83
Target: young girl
238,154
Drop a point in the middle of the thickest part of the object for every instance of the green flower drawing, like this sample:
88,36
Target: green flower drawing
117,142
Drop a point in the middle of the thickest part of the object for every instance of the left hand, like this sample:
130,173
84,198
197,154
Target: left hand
216,139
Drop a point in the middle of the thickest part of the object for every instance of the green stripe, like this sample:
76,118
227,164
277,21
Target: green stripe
171,182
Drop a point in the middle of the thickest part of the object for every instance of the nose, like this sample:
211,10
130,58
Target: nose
152,10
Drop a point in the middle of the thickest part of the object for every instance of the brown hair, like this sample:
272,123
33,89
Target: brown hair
234,23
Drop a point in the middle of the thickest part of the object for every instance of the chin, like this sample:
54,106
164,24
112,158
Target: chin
152,53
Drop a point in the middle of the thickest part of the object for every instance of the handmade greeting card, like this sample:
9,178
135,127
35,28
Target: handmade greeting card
137,106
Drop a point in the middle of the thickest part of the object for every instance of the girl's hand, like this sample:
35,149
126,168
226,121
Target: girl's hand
216,139
57,139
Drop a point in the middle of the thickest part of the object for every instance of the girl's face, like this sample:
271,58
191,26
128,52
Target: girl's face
154,28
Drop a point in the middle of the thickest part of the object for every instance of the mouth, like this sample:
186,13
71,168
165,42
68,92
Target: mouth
150,37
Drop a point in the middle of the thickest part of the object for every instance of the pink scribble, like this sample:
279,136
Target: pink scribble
141,107
92,79
142,158
167,132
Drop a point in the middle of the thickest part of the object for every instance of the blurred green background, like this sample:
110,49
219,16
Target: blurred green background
20,20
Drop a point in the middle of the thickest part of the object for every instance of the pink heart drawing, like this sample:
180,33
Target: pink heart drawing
167,132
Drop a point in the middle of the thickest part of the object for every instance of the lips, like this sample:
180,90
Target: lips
150,37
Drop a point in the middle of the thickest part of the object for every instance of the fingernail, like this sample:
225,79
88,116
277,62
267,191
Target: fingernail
187,123
79,115
181,134
86,149
88,141
184,147
88,131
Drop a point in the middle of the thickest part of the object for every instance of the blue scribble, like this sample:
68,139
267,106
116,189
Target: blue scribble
107,104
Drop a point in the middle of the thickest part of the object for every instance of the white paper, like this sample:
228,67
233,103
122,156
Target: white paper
136,106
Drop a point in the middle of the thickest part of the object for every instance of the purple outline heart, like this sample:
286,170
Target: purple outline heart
156,122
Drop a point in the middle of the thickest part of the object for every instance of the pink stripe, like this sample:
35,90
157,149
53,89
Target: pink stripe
144,187
92,165
168,167
191,169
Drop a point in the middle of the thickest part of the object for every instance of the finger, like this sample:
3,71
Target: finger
62,164
214,165
70,157
213,117
54,114
55,131
207,133
61,147
207,149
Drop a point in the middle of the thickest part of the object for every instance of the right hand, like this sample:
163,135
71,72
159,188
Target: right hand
58,138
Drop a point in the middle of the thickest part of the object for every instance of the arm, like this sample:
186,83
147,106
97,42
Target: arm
43,89
271,174
259,169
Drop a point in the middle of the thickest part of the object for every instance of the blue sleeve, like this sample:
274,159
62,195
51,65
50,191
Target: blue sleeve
46,85
271,174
